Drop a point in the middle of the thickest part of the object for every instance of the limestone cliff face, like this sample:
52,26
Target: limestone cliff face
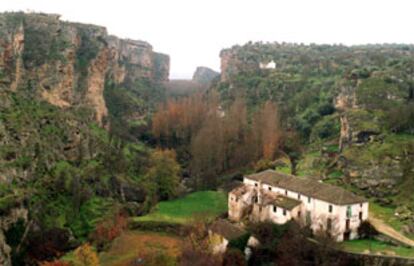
67,64
344,102
205,75
131,59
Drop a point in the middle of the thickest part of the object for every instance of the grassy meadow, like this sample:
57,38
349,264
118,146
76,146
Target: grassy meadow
377,247
208,204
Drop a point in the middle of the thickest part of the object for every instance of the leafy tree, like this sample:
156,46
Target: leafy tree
164,173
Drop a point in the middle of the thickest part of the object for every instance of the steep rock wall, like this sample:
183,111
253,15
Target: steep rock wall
67,64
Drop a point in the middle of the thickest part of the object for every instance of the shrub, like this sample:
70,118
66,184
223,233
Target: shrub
108,230
327,127
86,256
239,243
366,230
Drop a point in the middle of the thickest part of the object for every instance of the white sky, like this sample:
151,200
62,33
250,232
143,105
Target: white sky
193,32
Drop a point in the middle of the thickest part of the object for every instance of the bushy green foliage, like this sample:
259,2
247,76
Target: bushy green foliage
164,174
326,128
239,243
377,93
129,102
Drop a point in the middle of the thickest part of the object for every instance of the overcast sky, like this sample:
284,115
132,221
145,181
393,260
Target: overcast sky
193,32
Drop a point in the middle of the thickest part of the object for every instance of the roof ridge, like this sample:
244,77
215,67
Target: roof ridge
308,187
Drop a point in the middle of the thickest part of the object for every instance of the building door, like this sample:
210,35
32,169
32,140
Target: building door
347,236
347,225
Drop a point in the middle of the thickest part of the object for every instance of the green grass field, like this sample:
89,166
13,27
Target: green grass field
376,247
182,210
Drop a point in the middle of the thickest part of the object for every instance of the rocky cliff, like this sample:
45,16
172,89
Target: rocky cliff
67,64
205,75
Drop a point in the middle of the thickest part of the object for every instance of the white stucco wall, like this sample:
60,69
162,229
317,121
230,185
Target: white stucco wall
238,204
278,216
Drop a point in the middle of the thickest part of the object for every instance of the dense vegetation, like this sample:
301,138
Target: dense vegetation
344,114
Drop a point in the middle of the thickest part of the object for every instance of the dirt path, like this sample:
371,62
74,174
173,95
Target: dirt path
385,229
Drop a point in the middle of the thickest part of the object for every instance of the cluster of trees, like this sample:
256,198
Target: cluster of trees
211,140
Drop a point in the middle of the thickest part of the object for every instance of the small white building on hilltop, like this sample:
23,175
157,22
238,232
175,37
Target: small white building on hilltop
268,65
277,197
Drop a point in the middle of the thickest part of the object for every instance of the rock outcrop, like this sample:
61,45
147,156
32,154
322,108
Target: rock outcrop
205,75
67,64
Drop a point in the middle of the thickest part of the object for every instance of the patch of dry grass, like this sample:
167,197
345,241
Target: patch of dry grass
135,244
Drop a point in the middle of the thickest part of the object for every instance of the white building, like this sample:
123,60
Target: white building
268,65
278,197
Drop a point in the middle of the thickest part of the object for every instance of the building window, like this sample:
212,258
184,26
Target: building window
274,209
255,184
286,192
330,208
329,224
309,199
284,212
360,216
299,214
308,218
348,212
256,199
260,209
360,205
298,196
270,189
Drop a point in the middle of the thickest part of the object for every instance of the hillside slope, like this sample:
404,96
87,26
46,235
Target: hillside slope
348,111
73,101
